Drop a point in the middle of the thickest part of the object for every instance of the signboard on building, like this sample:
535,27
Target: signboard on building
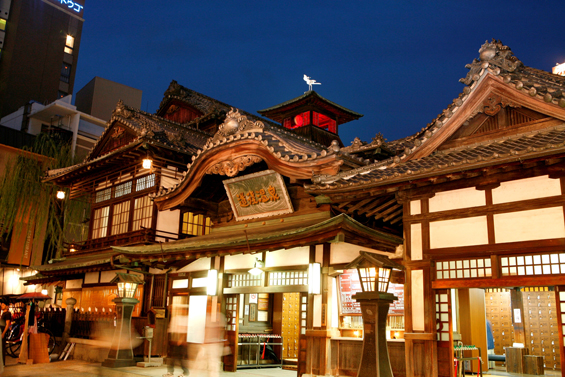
258,195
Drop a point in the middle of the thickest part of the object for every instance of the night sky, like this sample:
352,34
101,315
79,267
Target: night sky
397,62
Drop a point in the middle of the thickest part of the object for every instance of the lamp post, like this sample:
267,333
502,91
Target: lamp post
61,220
121,352
374,273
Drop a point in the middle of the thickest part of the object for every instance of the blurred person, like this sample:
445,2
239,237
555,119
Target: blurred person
177,352
5,320
214,340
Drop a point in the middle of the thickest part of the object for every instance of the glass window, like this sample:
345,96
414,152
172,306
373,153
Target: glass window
102,195
120,218
195,225
69,44
145,182
66,72
142,213
100,222
2,24
123,189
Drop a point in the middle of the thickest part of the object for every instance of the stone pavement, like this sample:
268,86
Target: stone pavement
81,368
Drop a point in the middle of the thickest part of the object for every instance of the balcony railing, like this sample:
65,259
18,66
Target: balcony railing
139,237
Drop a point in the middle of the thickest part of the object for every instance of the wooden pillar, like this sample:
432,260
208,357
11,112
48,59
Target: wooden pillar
518,315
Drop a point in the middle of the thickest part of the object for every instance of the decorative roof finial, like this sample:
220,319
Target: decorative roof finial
310,82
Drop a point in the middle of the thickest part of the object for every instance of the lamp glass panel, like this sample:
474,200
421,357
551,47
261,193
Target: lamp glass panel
367,275
384,278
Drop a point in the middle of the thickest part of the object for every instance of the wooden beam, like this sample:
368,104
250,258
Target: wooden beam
359,204
390,202
386,212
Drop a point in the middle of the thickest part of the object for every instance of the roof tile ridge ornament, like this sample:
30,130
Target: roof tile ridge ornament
494,56
235,123
358,145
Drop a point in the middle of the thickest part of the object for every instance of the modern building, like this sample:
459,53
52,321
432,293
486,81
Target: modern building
39,47
100,96
81,129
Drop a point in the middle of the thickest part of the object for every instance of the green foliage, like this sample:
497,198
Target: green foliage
24,197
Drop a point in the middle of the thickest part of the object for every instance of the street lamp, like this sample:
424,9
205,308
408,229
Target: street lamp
61,220
121,352
374,273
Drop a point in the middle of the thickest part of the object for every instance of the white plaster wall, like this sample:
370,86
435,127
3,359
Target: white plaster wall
288,257
417,300
317,311
524,189
415,207
76,283
416,242
107,276
237,262
92,277
456,199
343,252
320,254
202,264
459,232
537,224
168,221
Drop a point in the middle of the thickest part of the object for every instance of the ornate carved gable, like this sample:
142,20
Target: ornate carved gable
496,117
180,112
118,136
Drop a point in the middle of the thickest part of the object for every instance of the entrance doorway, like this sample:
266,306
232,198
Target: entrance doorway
523,323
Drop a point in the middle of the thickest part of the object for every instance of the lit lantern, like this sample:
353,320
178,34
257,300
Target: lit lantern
60,195
147,163
298,121
121,352
375,272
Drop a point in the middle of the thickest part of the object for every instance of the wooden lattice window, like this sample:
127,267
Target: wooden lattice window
142,213
534,264
120,217
194,225
288,278
244,280
442,316
100,222
122,189
231,312
464,269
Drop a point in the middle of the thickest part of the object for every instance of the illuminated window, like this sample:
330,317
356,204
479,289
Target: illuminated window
145,182
142,213
69,44
307,118
120,218
61,94
2,24
102,195
100,222
195,225
66,73
123,189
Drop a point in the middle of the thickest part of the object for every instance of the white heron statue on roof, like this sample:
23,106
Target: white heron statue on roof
311,82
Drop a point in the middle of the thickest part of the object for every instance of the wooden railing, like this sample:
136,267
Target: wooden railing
142,236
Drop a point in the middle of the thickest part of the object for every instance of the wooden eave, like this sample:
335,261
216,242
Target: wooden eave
247,147
310,101
269,238
488,85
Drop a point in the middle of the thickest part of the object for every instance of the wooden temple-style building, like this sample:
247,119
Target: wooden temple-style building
472,206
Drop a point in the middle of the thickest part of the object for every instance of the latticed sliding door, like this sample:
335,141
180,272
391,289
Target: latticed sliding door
231,309
444,333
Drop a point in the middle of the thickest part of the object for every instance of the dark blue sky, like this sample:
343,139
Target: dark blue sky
397,62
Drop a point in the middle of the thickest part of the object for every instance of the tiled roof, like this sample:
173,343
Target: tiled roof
279,142
150,129
518,148
495,59
201,102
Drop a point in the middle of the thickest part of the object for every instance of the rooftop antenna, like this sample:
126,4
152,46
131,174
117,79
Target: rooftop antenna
310,82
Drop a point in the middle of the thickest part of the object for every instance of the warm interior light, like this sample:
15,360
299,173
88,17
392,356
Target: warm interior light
147,163
212,284
44,292
72,249
374,279
126,289
314,278
70,41
60,195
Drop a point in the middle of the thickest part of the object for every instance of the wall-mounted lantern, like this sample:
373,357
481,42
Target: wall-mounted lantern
121,351
212,284
256,270
375,271
147,162
314,278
